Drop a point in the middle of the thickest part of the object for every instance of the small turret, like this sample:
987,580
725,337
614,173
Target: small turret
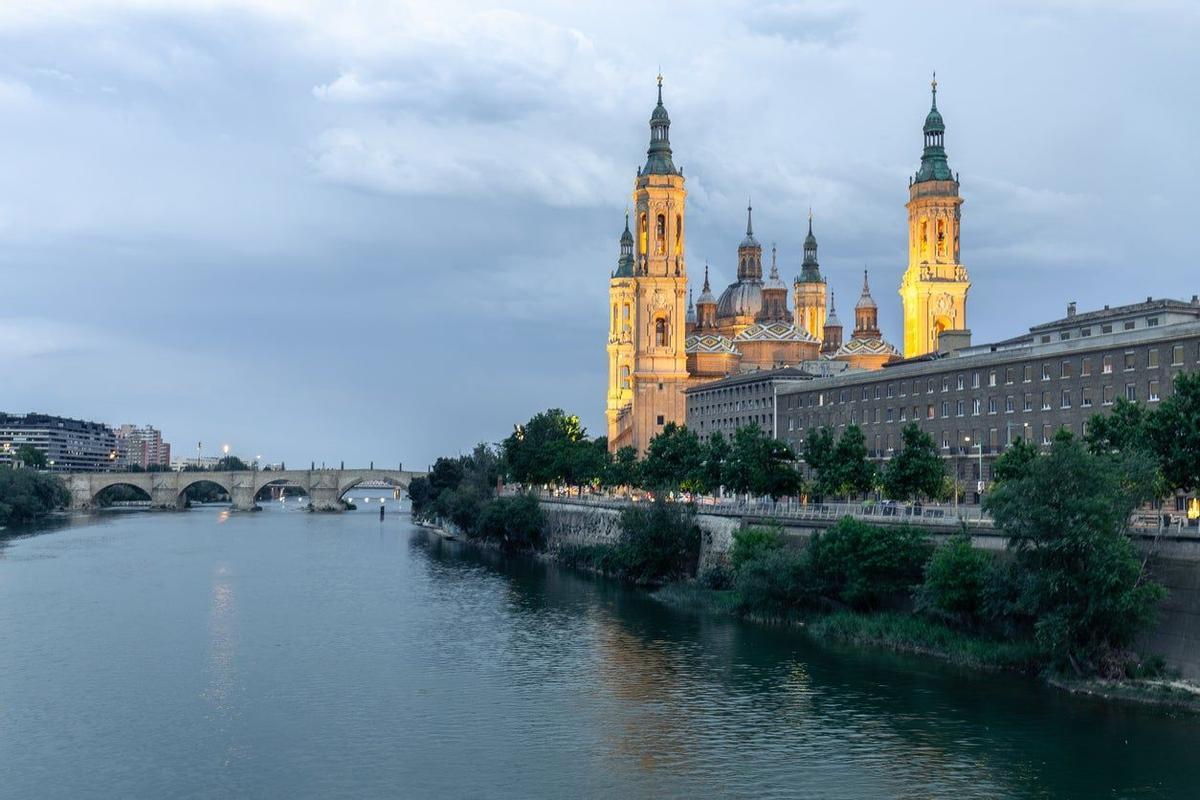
625,261
810,271
866,313
774,293
934,166
832,338
706,306
658,156
689,319
749,251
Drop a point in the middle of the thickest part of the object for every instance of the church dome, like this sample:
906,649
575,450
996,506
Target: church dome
709,343
774,332
866,347
743,299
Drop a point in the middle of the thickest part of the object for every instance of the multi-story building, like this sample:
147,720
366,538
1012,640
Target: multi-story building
975,401
142,447
739,400
70,445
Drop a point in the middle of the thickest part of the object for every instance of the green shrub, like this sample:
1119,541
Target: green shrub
954,581
868,566
658,543
776,582
25,495
718,577
461,506
752,543
514,523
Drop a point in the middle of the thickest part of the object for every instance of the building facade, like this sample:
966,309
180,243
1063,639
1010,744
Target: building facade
748,398
142,446
70,445
977,400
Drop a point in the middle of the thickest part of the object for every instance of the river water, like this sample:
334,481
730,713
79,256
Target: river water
286,654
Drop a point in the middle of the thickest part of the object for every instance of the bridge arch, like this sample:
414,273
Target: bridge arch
349,485
197,478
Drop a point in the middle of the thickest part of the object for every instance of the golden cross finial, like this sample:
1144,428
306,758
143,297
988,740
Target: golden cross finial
660,76
933,83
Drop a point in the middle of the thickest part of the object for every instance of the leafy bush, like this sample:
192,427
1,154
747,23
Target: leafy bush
514,523
718,577
753,543
775,582
658,543
461,506
954,580
867,566
25,495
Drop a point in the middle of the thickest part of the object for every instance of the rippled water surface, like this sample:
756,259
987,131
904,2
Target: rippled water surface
284,654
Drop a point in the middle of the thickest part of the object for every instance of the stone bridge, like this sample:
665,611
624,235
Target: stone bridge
324,487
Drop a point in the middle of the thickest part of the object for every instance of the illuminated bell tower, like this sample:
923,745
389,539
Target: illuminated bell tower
808,290
621,294
660,288
934,287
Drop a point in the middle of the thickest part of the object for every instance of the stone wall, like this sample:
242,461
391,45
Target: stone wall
1175,562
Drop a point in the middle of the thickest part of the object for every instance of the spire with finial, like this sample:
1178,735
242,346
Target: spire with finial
690,317
934,166
658,156
745,267
866,313
625,262
810,270
831,335
749,219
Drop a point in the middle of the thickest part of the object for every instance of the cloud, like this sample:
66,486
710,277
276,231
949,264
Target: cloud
13,92
350,87
810,23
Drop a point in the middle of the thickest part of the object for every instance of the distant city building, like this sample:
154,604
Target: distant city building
194,462
976,400
142,447
70,445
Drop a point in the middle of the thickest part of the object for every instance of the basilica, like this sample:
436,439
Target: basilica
658,346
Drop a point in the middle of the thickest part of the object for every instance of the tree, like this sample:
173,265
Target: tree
538,452
853,474
1122,429
716,453
674,459
447,473
513,523
31,457
868,566
624,468
581,462
1174,434
955,577
760,464
818,454
917,470
26,494
230,464
421,493
1015,462
1067,517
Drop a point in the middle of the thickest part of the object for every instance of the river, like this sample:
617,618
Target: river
287,654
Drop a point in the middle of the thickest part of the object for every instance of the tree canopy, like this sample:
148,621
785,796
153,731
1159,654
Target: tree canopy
916,471
760,464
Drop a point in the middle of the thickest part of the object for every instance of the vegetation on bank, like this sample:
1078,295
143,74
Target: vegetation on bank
26,494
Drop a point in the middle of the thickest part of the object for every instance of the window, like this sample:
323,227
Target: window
1086,400
903,388
877,390
945,408
976,405
902,413
891,390
946,381
945,441
1085,332
866,394
929,387
1028,376
660,331
1064,335
1152,358
1064,370
1045,372
1106,395
1046,433
960,383
1028,404
974,380
660,235
1009,406
1046,339
660,419
1129,325
1131,392
1129,361
1008,376
1151,321
1085,368
1045,401
991,377
1153,391
889,414
1106,365
1106,328
625,377
929,411
1177,355
1066,398
876,416
958,411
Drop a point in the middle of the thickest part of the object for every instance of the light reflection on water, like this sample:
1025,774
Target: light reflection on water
310,655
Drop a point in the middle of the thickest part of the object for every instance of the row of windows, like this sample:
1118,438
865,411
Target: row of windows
1128,325
1107,364
964,441
1047,401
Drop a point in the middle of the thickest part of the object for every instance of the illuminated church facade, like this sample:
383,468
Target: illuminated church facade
660,343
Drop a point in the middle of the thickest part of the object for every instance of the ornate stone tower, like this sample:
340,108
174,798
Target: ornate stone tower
833,331
622,298
808,290
934,287
774,296
659,288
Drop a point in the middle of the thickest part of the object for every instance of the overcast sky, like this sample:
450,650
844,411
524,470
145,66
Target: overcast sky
385,232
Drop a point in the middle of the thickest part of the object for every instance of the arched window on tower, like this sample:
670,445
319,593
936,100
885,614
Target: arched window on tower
678,234
660,332
643,232
924,238
660,236
941,238
615,330
624,376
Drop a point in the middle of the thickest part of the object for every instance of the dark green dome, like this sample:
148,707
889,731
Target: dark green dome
934,166
658,156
